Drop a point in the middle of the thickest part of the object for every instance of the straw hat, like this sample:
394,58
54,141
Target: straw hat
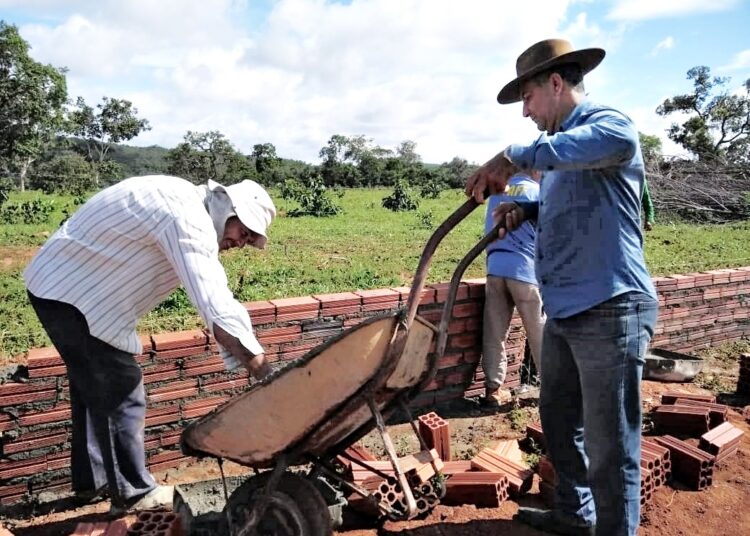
542,56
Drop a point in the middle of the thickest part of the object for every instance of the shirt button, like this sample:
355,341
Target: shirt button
540,256
541,203
544,281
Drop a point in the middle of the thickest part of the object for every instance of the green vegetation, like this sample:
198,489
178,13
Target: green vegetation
366,246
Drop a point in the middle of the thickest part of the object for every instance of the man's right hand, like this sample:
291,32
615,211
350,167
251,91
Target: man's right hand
492,176
509,212
258,367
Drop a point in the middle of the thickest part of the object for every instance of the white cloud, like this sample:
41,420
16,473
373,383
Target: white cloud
633,10
741,60
424,70
665,44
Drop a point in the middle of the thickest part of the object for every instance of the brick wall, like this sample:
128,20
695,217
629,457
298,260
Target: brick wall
185,377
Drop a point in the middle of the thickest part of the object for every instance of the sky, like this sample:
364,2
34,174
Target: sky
296,72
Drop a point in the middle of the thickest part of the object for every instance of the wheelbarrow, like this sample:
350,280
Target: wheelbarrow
310,411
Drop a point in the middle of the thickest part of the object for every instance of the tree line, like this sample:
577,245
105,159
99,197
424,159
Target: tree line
51,142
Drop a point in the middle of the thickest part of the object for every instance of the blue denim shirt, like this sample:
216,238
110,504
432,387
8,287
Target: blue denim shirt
513,256
589,246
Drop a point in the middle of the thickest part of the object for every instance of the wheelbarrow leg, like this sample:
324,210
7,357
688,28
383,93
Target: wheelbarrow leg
411,503
259,508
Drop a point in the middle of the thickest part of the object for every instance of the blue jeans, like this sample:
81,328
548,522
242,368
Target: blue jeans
590,405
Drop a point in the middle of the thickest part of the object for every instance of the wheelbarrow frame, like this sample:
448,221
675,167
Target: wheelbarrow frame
298,451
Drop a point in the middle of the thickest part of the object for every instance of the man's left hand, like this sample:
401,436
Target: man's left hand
511,214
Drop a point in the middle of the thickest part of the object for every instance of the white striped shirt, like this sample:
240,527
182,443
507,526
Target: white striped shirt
127,249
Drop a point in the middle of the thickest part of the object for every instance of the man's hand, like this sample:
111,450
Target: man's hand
494,175
258,367
511,214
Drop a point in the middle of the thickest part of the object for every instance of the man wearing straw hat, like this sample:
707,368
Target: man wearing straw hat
600,302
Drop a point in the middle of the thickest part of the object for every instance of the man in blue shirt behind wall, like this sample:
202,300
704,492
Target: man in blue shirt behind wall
511,284
600,302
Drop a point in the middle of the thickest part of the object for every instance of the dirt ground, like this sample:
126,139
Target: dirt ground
724,508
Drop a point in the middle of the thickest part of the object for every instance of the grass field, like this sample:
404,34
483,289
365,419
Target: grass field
365,247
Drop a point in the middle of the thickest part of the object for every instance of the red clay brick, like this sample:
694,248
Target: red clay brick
179,339
46,372
260,308
279,335
58,414
338,299
378,295
441,291
476,287
43,357
29,466
289,305
379,306
22,398
173,395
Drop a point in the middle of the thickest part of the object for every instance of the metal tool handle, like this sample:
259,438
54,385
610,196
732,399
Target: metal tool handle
445,318
420,276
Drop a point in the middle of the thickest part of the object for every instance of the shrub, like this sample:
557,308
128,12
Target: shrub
400,199
432,188
66,173
312,197
6,186
29,212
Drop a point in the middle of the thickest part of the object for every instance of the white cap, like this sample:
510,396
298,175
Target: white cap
252,205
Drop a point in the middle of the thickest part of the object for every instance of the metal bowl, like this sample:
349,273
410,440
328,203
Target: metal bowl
667,366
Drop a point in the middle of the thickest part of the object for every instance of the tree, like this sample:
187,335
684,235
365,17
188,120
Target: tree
334,168
650,147
266,162
32,96
407,152
457,171
718,125
67,173
208,155
113,121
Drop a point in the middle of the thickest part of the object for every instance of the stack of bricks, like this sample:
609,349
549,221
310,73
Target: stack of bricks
520,477
436,434
743,382
656,459
147,523
690,465
722,441
701,309
687,414
187,380
547,481
535,436
486,489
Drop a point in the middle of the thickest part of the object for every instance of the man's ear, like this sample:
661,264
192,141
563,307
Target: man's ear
557,83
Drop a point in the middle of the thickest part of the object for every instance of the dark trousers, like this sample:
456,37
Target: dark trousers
108,406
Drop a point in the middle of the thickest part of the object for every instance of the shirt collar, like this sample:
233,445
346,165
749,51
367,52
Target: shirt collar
575,115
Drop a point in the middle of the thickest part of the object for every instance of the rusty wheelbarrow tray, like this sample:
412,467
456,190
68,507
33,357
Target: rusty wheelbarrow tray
317,406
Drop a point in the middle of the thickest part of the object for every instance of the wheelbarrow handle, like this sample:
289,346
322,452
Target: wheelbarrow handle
445,318
415,294
420,276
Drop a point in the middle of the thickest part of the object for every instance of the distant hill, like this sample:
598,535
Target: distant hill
140,160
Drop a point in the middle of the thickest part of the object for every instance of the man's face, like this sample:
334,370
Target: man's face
540,103
236,235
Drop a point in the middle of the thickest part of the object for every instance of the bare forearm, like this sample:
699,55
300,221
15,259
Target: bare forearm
254,363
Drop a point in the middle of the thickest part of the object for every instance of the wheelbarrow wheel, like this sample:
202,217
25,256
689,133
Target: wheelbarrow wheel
295,507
